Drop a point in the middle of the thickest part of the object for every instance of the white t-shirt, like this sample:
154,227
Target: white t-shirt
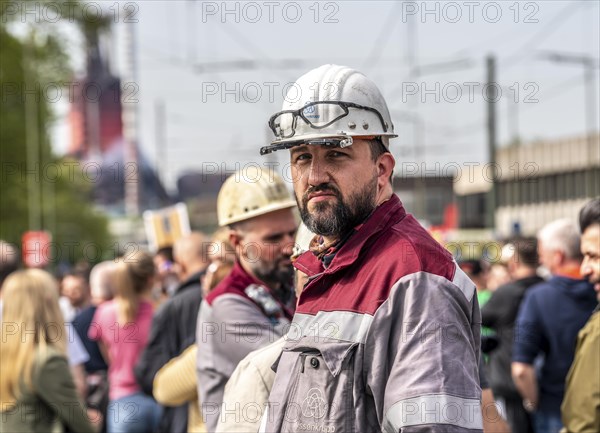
75,349
67,309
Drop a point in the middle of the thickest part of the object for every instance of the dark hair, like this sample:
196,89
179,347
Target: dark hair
472,267
76,273
526,251
82,269
166,252
589,214
377,148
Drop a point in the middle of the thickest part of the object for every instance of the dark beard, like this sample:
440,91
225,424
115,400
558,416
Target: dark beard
342,217
279,280
274,275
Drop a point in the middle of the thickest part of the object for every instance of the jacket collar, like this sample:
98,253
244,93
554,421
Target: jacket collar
241,278
391,209
237,280
190,281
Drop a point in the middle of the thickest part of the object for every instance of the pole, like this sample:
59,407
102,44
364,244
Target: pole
491,98
32,140
161,141
512,118
131,169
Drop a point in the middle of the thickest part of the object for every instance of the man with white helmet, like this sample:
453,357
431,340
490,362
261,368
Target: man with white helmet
386,331
253,306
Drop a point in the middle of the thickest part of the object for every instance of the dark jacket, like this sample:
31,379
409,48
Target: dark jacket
173,330
551,315
500,313
82,323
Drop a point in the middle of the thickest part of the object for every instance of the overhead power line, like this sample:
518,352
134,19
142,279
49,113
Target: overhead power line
554,24
380,42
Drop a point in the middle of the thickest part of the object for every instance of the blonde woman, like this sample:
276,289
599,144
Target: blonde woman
37,391
121,327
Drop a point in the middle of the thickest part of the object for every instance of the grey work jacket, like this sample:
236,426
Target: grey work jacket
385,339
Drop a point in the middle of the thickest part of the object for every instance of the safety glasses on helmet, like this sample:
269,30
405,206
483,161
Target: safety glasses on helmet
311,115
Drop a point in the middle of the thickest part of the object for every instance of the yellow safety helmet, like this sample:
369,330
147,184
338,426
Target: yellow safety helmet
251,192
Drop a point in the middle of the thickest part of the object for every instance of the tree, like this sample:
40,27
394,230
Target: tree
30,67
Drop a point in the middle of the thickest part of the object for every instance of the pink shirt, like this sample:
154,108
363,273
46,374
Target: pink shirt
124,344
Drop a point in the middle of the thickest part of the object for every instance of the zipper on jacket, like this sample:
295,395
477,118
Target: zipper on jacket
313,277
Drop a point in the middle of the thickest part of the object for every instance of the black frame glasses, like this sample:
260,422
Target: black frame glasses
300,113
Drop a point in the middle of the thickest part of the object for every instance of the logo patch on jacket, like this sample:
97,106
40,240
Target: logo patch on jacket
314,405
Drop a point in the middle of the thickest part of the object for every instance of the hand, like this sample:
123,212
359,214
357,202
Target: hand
529,405
95,417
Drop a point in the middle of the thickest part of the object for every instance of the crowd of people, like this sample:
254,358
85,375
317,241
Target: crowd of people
534,323
354,320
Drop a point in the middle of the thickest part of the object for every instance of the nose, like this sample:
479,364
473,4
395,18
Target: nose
288,244
318,172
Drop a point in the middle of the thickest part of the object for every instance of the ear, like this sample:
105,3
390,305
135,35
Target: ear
234,238
385,166
512,264
559,258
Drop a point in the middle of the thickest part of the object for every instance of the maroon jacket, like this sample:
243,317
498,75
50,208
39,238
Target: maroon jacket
385,339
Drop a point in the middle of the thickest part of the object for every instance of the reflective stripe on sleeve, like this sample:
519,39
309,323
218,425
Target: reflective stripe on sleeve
430,409
337,325
464,283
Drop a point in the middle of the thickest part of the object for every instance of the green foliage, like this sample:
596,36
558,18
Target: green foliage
78,229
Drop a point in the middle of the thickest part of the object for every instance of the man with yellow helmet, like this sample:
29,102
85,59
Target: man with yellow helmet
253,306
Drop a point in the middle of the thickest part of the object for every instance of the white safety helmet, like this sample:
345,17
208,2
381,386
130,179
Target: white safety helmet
329,105
251,192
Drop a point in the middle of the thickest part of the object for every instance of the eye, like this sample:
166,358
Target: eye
336,154
302,157
273,239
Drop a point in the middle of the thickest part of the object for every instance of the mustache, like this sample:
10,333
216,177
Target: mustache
323,187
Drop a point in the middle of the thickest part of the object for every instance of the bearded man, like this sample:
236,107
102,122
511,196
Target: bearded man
386,333
252,306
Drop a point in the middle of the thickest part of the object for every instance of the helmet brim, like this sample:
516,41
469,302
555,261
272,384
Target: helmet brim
288,143
288,204
339,140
